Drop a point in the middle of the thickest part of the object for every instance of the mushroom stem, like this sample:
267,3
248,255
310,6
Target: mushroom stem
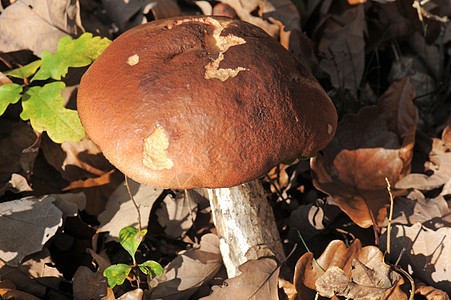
245,225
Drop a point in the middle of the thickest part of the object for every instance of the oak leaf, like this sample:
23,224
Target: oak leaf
375,144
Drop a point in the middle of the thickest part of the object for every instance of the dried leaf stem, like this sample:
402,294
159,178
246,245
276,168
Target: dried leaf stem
134,203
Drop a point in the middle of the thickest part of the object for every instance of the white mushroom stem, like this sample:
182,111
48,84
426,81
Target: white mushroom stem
245,225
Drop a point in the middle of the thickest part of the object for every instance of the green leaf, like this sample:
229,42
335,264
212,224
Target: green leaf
71,53
43,106
9,94
151,267
117,274
130,238
25,71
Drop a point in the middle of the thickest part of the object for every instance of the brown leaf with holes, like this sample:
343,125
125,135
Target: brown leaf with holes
338,255
258,280
375,144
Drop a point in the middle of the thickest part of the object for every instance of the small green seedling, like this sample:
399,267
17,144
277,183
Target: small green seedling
43,104
130,238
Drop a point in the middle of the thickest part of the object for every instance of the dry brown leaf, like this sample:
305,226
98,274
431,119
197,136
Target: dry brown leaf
363,283
288,288
38,24
338,255
88,284
128,14
439,163
340,41
132,295
188,271
416,208
311,219
10,294
76,160
35,275
244,10
31,222
177,215
257,281
427,253
429,292
375,144
120,210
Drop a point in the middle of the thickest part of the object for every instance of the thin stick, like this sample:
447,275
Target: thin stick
390,216
134,203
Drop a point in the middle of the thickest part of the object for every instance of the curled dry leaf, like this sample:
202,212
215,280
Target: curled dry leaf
338,255
375,144
188,271
38,25
427,253
257,281
429,292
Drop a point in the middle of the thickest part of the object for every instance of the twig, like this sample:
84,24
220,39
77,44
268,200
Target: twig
134,203
412,283
390,216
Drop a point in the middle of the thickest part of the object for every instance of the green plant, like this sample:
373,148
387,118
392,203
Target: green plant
130,238
43,104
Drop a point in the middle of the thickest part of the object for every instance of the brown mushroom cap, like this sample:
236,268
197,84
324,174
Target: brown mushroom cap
202,102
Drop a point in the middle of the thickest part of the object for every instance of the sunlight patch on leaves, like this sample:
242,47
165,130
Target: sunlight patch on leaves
9,94
71,53
43,106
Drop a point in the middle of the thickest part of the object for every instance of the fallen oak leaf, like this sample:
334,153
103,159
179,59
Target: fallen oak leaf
31,222
258,280
38,25
425,251
369,147
363,283
307,270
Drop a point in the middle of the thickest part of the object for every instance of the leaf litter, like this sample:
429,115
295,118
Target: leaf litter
390,51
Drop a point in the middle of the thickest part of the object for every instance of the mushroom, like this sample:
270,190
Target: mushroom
207,102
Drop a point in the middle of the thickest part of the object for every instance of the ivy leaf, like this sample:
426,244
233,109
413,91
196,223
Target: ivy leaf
9,94
151,267
43,106
25,71
117,274
130,238
71,53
